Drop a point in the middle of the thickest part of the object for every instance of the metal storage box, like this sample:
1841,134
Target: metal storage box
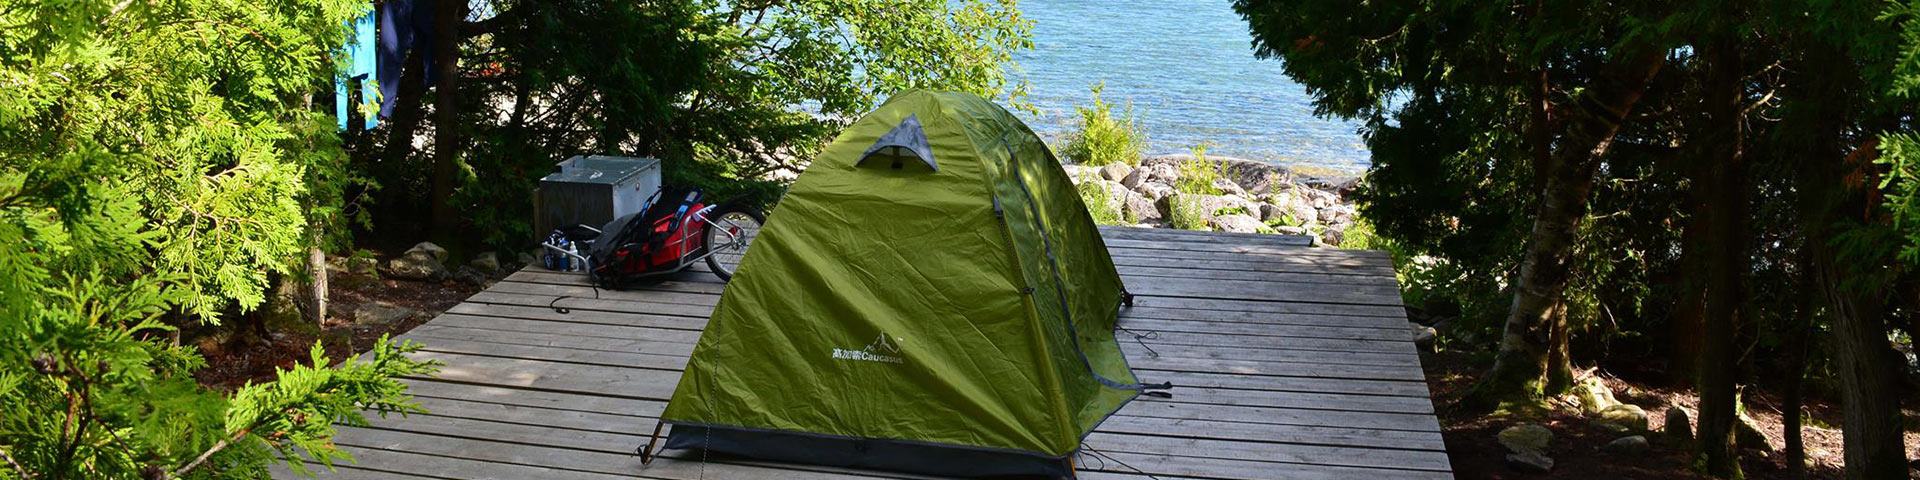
593,190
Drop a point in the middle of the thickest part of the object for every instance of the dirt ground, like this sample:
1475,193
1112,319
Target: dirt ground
237,353
1476,453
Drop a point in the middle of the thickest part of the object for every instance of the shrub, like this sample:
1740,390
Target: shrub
1198,174
1360,236
1103,138
1284,220
1186,214
1238,210
161,168
1100,204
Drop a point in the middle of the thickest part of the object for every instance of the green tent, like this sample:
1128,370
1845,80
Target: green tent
931,296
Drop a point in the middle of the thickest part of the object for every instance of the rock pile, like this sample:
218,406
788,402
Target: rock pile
426,261
422,262
1255,197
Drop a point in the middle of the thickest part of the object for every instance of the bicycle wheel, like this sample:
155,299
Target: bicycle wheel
727,238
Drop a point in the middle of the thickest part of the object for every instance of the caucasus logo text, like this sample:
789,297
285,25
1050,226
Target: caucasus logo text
881,350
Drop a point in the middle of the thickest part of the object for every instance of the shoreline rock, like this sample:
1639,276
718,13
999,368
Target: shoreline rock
1255,196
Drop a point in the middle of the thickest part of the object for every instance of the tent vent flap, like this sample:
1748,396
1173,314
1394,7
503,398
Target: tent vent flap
905,145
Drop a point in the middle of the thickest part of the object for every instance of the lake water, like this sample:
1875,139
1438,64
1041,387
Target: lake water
1188,68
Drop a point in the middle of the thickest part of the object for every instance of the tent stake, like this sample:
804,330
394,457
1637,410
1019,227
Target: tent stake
646,452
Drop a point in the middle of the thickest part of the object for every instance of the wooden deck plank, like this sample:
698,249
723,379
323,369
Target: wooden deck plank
1329,410
1182,252
1150,272
541,454
1289,362
614,434
1243,290
610,372
1126,424
672,342
621,435
1379,317
699,305
1120,232
1144,258
1324,255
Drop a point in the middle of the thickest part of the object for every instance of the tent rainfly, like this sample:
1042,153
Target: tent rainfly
950,318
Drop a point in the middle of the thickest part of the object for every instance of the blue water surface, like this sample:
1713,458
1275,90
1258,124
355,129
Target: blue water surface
1189,70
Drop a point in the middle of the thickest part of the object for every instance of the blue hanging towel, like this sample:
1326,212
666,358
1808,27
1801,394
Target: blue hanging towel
359,51
404,25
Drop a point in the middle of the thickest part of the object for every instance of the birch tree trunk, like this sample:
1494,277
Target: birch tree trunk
1520,369
317,280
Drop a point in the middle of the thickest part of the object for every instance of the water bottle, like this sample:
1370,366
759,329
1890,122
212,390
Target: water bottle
573,260
551,258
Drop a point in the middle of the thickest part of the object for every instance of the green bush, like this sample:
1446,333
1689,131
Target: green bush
159,169
1235,210
1100,204
1104,139
1285,220
1186,214
1360,236
1198,174
720,184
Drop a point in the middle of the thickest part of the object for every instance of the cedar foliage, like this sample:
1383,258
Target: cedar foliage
162,166
158,167
1759,184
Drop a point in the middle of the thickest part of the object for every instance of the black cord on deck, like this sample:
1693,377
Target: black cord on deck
564,310
1103,456
1142,338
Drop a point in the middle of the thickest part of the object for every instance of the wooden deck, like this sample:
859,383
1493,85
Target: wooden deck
1290,362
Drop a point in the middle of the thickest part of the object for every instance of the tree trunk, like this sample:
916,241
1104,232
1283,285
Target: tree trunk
447,17
408,110
1869,376
1540,142
1559,358
317,280
1520,370
1794,376
1540,128
1862,358
1727,260
1912,308
1689,311
316,307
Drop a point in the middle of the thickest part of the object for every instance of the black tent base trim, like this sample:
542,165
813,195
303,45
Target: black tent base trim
877,454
